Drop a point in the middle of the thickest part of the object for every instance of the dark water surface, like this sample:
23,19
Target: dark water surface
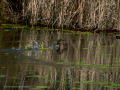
91,61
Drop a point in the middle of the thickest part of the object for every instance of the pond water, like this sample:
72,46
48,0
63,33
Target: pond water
90,62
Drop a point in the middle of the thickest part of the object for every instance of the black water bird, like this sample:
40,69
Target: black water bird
117,37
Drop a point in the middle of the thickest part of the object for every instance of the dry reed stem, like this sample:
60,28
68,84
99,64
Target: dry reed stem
99,14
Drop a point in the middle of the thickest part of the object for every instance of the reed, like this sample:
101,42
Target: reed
99,14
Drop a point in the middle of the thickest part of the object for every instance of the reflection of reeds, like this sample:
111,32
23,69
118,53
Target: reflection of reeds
88,60
68,13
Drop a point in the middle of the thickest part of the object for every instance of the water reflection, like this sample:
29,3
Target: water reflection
90,62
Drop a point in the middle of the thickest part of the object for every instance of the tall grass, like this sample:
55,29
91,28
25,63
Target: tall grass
86,14
6,10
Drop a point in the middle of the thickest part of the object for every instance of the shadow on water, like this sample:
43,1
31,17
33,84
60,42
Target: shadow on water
42,59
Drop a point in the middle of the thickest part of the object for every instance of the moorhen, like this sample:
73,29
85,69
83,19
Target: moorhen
61,45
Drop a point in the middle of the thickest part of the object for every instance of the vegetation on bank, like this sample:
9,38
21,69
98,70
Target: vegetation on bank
75,14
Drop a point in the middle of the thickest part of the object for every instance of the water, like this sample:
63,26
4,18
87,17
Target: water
29,60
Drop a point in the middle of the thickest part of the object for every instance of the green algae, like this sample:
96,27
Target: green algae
40,87
2,75
37,76
12,26
105,83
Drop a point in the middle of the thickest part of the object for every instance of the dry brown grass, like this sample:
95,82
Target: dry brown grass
6,10
99,14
